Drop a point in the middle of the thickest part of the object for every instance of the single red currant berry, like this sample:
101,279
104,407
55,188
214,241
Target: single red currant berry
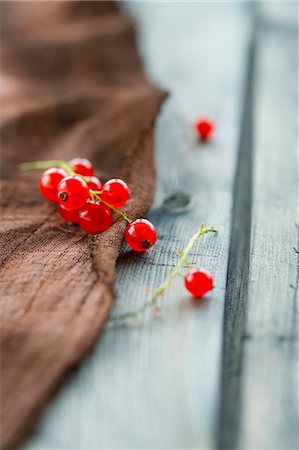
82,166
140,235
73,192
94,183
198,282
204,129
95,217
69,215
115,192
49,183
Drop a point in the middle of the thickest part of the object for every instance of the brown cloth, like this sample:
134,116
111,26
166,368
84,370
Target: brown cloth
72,85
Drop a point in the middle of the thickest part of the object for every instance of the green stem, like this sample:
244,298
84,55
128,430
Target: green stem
117,211
36,165
183,260
172,274
133,314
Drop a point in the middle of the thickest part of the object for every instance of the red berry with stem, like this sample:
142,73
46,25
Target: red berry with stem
94,183
69,215
73,192
198,282
49,183
204,129
95,217
115,192
140,235
82,166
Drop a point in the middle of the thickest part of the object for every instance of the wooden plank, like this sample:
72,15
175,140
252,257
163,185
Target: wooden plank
156,385
269,414
237,275
260,365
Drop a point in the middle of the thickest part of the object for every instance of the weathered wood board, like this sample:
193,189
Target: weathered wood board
260,366
270,372
194,377
156,385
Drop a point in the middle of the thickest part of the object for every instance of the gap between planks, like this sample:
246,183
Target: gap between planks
238,266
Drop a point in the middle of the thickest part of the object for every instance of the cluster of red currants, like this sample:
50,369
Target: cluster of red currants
82,199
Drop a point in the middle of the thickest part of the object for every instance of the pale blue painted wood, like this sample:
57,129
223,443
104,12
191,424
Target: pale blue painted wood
270,380
156,385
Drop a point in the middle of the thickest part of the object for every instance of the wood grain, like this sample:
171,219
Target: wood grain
156,385
236,295
63,99
260,366
270,346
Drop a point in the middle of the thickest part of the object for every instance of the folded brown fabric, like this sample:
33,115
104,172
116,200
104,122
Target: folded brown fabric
72,85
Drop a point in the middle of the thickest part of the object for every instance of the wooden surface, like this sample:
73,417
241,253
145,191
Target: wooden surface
222,372
270,372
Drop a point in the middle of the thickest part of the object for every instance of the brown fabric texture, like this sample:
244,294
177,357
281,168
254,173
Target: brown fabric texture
72,85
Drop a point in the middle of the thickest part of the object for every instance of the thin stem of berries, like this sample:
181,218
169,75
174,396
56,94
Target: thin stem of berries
135,313
183,260
36,165
94,195
176,271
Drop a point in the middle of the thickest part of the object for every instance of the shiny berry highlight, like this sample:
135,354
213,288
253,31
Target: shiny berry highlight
49,181
73,192
198,282
82,166
95,217
140,235
115,192
94,183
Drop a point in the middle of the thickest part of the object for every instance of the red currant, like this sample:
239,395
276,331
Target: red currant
69,215
49,183
140,235
73,192
94,183
82,166
204,129
198,282
115,192
95,217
